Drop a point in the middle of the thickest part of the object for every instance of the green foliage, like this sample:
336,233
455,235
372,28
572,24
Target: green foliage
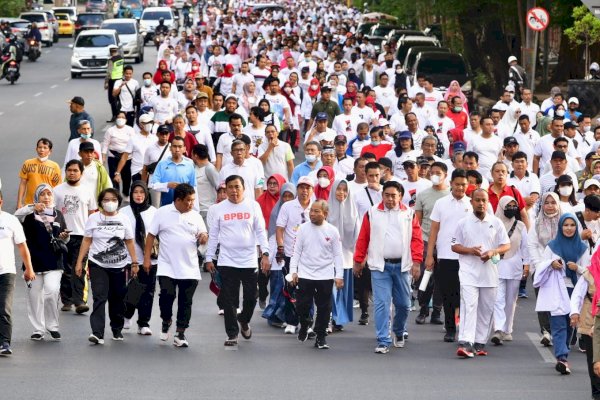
585,29
11,8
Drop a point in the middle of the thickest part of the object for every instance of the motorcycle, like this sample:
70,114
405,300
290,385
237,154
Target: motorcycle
34,50
158,39
11,72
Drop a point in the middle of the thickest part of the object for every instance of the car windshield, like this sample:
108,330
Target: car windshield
34,17
20,25
446,64
122,29
90,19
155,15
131,3
94,41
64,11
62,17
382,30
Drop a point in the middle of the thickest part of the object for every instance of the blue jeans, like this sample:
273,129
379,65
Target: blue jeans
391,285
561,335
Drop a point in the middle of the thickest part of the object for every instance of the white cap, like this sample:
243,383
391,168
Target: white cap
145,118
383,122
510,87
112,47
410,158
591,182
573,100
306,181
501,107
327,136
511,59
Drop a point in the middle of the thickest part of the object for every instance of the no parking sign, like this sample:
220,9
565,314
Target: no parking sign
538,19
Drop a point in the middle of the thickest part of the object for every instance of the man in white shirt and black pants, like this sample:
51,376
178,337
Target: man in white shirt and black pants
180,230
316,262
237,225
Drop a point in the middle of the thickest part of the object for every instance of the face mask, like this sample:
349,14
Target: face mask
85,137
148,127
511,212
374,143
110,206
287,89
324,182
314,87
587,128
147,82
120,122
43,159
311,158
457,109
49,210
565,190
560,113
436,180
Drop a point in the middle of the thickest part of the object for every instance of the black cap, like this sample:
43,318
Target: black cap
305,69
564,179
558,155
510,140
339,139
424,160
86,146
386,162
163,129
592,202
571,124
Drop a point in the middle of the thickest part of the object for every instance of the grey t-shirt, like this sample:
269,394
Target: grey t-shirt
425,202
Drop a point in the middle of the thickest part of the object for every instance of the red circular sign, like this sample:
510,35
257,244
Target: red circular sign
538,19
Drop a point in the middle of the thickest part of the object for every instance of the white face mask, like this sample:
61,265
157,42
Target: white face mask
311,158
148,127
560,113
147,82
436,179
314,87
43,159
120,122
565,190
587,128
324,182
110,206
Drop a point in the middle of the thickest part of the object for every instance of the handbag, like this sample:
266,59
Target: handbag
58,246
135,290
152,166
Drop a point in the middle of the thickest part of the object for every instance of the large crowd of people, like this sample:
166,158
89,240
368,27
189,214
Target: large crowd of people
404,199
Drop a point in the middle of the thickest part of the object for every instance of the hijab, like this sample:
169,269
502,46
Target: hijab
243,50
546,226
267,200
157,79
344,216
287,97
313,93
569,249
354,78
247,103
286,187
227,71
49,213
542,125
138,209
515,238
351,94
509,122
320,193
450,93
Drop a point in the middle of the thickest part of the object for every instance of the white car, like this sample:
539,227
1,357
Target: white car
150,17
41,20
129,35
91,53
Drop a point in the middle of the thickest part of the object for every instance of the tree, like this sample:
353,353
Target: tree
11,8
585,31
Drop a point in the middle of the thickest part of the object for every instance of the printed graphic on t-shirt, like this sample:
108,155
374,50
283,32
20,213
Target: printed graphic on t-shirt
115,251
71,205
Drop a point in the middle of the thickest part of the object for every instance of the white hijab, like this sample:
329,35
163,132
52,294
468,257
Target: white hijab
344,216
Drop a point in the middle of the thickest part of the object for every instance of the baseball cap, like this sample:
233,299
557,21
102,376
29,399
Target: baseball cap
328,150
591,182
305,180
424,160
202,95
510,140
305,69
502,106
555,90
86,146
592,202
339,139
325,87
410,160
571,124
321,116
327,136
231,96
405,135
459,146
573,100
77,100
383,122
510,88
564,179
386,162
163,129
558,155
145,118
511,59
113,47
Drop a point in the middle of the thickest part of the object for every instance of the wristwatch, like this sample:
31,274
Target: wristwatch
265,254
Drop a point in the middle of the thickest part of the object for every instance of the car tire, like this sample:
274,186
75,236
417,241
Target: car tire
142,56
74,75
137,60
55,38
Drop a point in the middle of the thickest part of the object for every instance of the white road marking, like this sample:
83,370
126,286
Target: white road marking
67,79
47,51
19,103
53,86
38,94
545,352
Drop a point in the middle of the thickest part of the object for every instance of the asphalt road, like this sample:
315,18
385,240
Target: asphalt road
269,366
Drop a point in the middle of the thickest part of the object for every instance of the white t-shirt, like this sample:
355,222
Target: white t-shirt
11,233
73,150
240,80
164,108
487,149
253,174
278,104
127,93
257,135
346,125
365,201
108,235
411,189
178,233
74,202
136,148
317,252
277,161
446,211
365,114
291,216
147,217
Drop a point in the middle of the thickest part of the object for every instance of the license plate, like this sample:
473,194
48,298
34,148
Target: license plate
12,69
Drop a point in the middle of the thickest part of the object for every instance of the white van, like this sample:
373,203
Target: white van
90,51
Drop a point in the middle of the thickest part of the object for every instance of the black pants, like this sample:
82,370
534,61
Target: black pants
113,100
72,286
446,279
136,177
362,287
130,117
320,292
231,278
586,341
7,288
113,163
144,307
108,284
430,291
263,283
168,291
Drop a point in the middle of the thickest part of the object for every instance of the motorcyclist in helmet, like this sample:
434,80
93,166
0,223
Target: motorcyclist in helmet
34,33
9,53
594,72
5,28
161,28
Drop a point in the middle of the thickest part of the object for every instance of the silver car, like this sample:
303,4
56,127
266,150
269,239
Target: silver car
91,53
130,36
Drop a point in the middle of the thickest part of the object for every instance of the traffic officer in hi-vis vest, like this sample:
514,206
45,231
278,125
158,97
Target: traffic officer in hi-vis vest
114,72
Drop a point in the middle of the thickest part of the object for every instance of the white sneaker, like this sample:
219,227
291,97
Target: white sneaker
546,339
95,339
239,311
398,342
127,323
221,312
355,304
290,330
144,330
508,337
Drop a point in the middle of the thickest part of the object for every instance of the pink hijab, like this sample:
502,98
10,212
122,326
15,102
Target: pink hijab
455,90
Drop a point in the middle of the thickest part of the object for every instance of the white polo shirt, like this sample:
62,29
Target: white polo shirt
446,212
177,252
488,233
291,216
11,233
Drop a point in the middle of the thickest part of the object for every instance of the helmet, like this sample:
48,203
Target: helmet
161,20
594,67
12,38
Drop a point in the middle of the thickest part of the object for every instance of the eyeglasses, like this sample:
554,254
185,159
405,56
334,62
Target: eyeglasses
272,183
303,217
410,166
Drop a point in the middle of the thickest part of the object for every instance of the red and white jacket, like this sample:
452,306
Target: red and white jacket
371,238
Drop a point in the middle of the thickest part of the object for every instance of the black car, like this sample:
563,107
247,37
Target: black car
413,52
88,20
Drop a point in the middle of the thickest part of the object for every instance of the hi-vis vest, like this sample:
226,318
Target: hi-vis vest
117,67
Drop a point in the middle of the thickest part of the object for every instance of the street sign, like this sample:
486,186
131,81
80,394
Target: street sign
538,19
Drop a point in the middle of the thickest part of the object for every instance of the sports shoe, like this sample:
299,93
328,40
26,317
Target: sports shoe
364,319
382,349
497,338
95,339
145,331
221,312
231,343
117,335
55,335
480,349
449,337
465,351
580,346
420,320
262,304
435,318
338,328
562,366
405,335
355,304
321,343
238,311
303,333
180,340
127,323
37,336
290,330
546,340
507,337
5,349
82,308
398,342
245,330
164,332
66,307
311,333
523,294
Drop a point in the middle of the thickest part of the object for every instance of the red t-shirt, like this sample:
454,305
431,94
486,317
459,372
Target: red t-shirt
507,191
460,119
379,151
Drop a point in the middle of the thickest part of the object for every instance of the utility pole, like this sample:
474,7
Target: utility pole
529,52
